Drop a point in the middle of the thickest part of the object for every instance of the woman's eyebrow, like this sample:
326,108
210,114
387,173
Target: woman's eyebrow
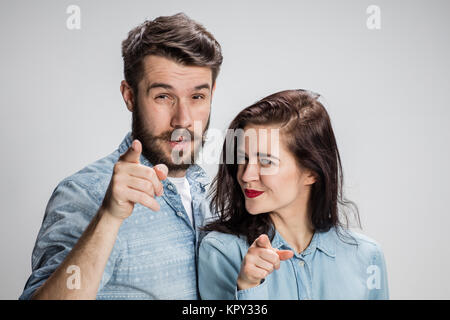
268,155
260,154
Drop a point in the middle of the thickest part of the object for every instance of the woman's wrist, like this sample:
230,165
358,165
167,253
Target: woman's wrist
245,284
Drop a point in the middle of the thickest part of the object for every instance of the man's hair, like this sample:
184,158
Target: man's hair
176,37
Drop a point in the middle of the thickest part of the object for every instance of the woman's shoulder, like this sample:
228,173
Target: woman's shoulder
229,246
350,240
224,240
219,261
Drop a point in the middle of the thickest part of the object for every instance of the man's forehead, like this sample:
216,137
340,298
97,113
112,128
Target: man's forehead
165,71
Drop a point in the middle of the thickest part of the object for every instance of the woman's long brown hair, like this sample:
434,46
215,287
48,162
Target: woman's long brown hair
306,129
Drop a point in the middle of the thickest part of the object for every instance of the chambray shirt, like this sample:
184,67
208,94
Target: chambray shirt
328,268
154,256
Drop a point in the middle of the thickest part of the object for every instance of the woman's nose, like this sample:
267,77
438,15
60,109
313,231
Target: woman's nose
251,173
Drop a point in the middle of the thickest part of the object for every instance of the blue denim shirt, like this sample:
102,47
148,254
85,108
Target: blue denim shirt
154,256
328,268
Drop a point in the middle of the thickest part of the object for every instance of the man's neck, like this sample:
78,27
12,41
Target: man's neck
177,173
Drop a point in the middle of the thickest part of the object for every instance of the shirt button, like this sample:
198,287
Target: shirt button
301,263
170,187
179,213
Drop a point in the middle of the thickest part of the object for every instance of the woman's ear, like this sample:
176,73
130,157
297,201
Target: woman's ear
310,178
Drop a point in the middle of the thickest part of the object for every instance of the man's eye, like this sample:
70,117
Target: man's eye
198,97
162,97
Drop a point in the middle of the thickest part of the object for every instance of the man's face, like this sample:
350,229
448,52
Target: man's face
171,99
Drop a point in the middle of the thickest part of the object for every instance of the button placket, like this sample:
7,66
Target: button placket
304,275
177,208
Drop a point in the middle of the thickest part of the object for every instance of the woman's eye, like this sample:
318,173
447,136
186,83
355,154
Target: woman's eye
265,162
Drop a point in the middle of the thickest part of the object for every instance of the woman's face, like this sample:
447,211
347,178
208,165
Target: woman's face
270,178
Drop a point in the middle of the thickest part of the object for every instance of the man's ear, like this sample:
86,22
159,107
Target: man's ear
127,94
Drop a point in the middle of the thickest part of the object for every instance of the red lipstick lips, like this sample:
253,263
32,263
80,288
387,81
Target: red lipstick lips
250,193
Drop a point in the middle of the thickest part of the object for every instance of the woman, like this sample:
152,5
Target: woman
279,232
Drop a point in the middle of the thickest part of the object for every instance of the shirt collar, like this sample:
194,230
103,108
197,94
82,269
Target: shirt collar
324,241
194,173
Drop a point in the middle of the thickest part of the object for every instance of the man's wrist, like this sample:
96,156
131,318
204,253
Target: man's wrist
106,217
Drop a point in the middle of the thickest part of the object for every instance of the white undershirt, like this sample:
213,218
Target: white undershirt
184,190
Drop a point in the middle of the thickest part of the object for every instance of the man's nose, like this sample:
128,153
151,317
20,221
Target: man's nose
182,115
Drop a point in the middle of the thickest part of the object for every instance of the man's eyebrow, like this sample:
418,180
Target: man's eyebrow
169,87
159,85
202,86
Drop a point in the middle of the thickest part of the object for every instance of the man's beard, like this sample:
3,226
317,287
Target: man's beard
153,146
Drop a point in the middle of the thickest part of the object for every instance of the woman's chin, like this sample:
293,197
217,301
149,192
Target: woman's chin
254,210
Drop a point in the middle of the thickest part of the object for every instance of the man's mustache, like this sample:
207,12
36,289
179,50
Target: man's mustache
175,135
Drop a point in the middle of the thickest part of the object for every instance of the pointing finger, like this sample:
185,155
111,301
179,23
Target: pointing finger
133,153
263,242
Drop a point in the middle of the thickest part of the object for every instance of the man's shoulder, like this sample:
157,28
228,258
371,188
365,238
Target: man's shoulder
98,172
93,178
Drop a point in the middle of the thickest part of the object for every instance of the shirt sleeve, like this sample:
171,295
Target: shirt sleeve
218,269
260,292
68,213
378,278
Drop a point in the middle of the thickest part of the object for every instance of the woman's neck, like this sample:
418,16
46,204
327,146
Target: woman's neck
294,225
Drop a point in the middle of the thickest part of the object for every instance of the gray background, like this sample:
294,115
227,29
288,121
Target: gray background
386,91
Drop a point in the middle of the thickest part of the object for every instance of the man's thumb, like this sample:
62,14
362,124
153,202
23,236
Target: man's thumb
161,171
263,241
133,153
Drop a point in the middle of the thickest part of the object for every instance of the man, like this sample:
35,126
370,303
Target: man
118,229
